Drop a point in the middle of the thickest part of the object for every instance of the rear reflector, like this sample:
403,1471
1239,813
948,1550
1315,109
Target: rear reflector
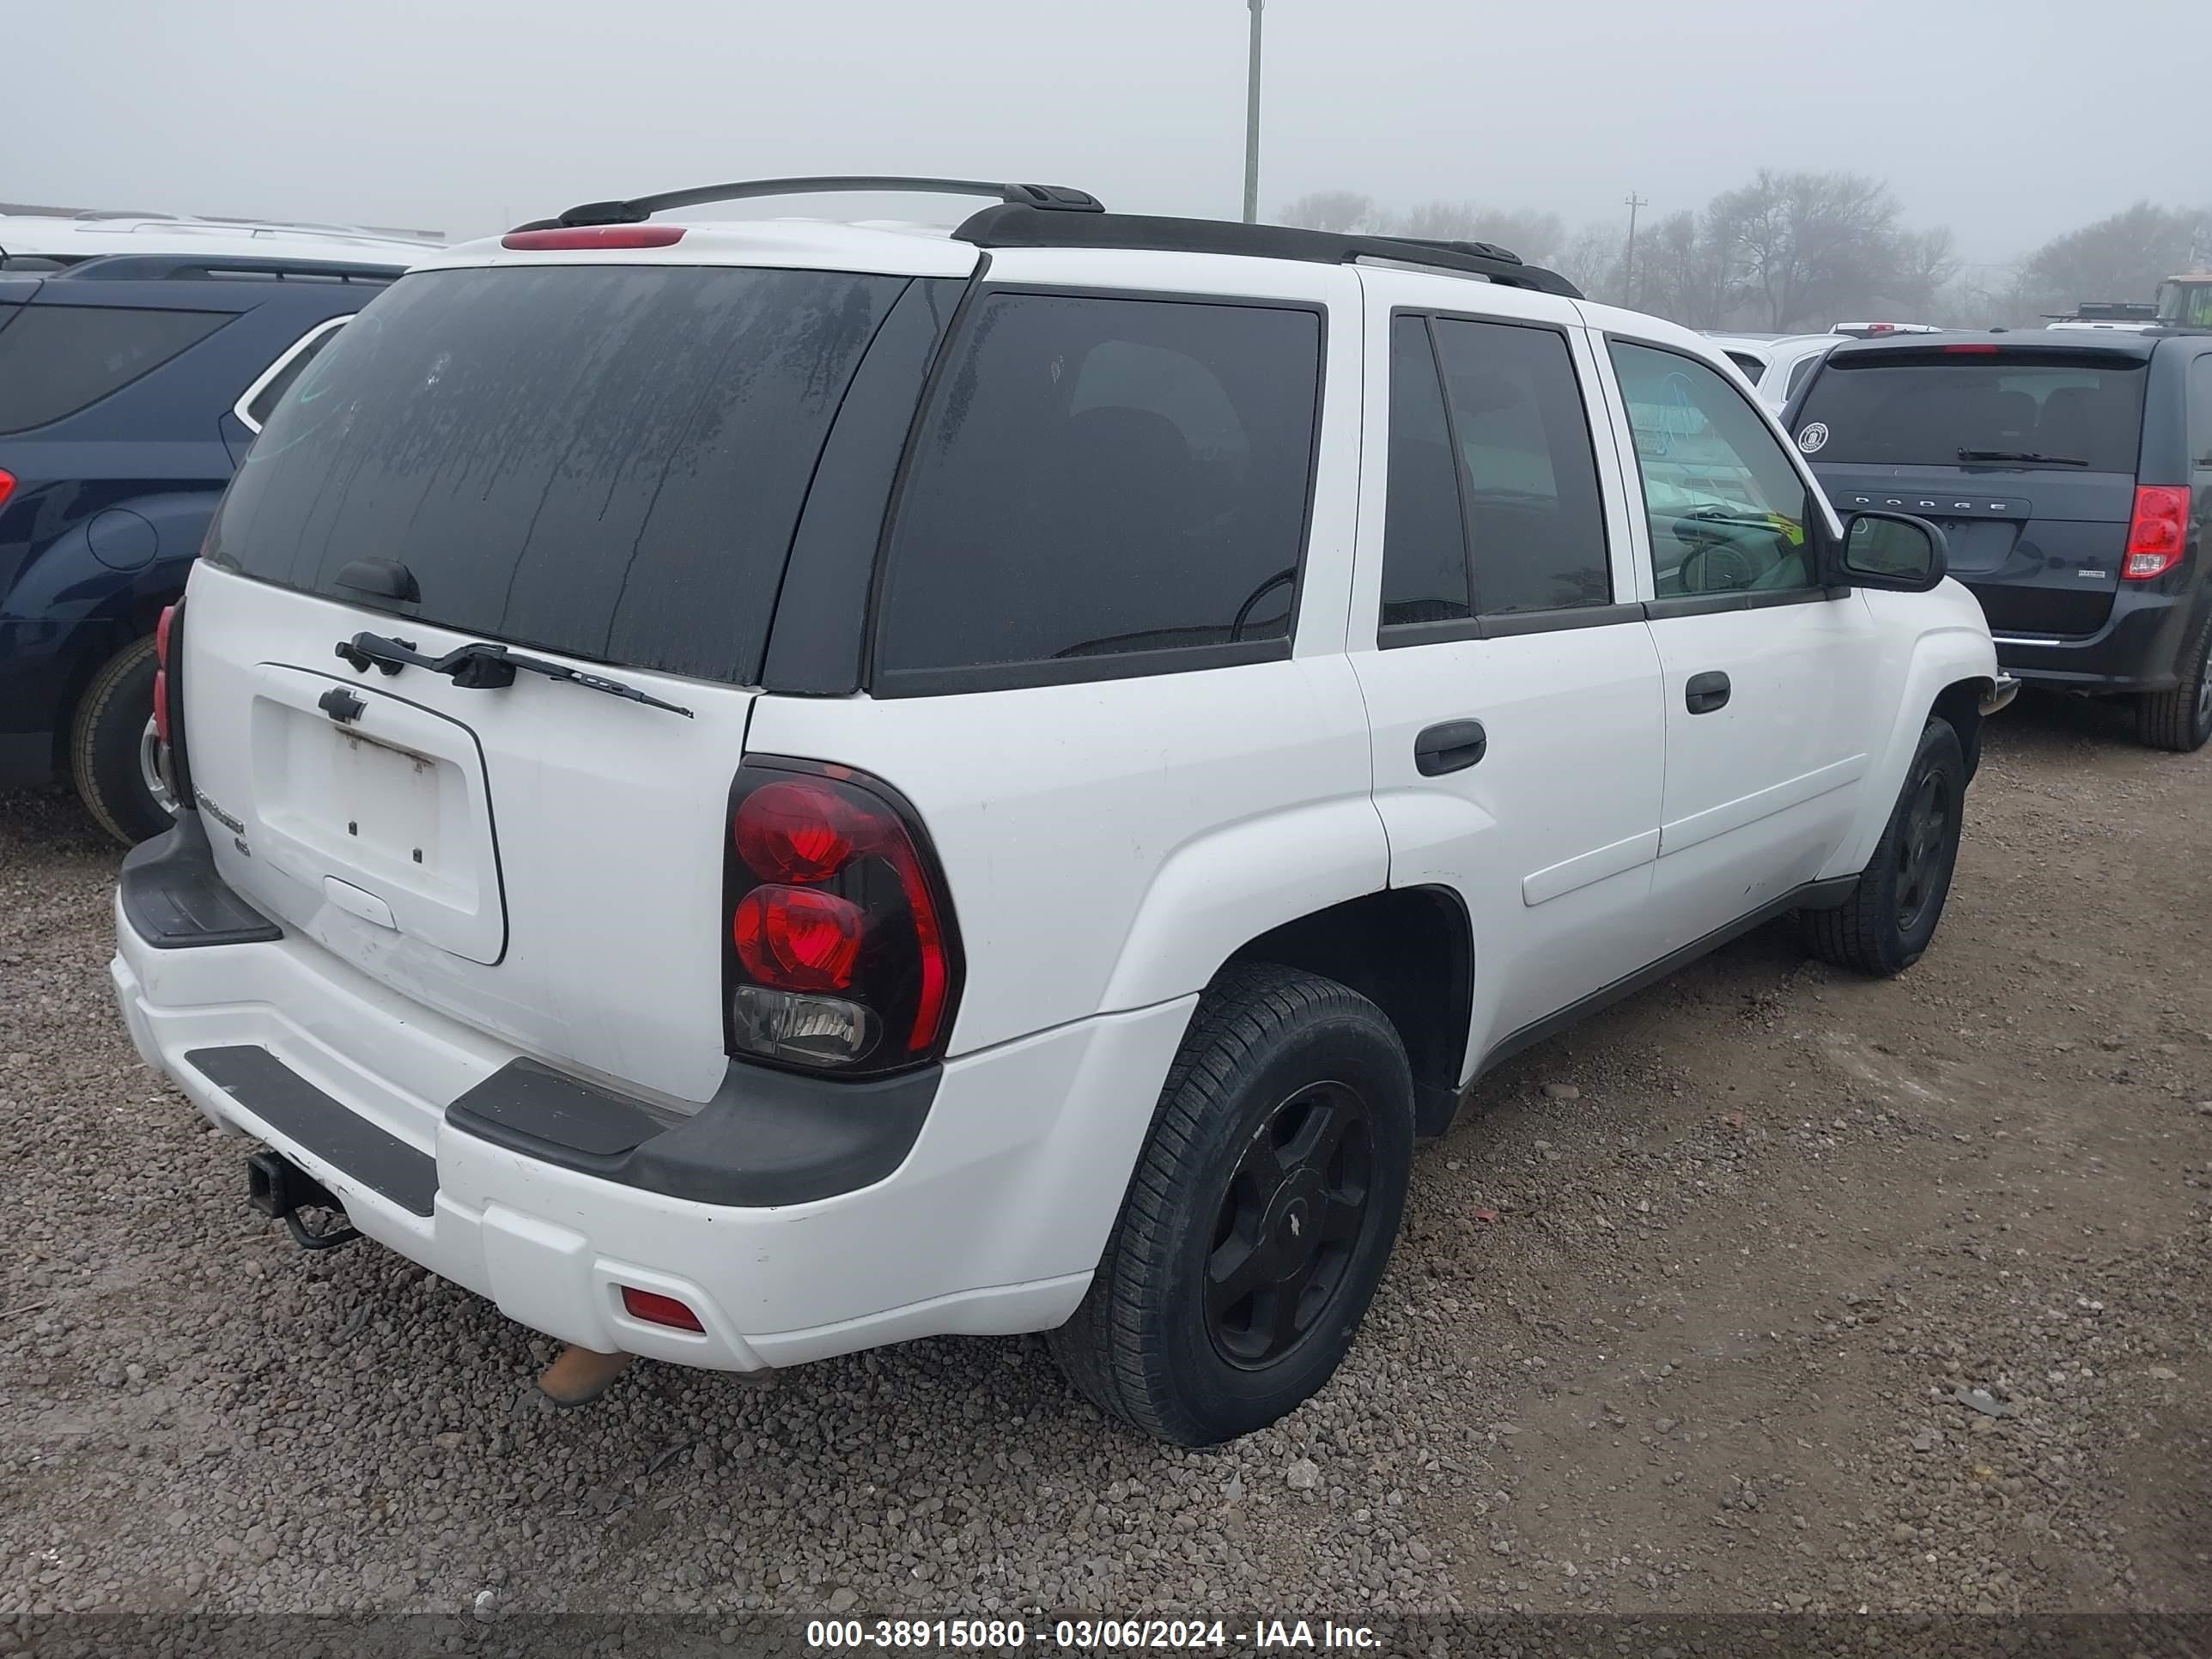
595,236
655,1309
2158,533
161,631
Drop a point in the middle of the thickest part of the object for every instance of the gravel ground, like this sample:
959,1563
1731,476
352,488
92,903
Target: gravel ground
1772,1289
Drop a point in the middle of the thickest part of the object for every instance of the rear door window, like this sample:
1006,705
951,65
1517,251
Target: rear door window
1536,522
1425,574
603,460
56,360
1103,486
1951,410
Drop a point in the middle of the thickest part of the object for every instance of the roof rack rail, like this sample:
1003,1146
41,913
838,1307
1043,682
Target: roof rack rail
189,267
1048,197
1016,226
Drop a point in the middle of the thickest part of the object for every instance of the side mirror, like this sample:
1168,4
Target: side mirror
1891,550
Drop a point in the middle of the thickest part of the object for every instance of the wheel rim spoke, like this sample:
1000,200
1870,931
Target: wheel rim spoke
1234,1271
1340,1218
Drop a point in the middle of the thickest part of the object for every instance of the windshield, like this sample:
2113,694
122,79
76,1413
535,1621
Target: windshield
1895,410
2186,303
603,460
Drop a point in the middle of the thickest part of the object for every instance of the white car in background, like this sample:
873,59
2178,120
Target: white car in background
36,241
1775,364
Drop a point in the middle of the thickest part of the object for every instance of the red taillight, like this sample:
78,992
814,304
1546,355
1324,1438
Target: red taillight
7,485
654,1308
799,939
162,635
1977,349
595,236
842,948
2159,532
796,831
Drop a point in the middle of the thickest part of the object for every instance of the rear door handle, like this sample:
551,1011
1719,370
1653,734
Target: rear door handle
1706,692
1451,747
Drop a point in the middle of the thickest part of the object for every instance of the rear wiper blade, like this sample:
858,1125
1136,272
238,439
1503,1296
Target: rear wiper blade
480,665
2020,455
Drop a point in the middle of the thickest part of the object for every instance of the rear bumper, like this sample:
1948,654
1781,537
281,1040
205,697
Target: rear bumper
991,1222
2135,650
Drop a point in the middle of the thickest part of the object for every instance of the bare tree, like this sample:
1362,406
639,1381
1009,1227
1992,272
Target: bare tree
1682,272
1804,245
1338,211
2124,257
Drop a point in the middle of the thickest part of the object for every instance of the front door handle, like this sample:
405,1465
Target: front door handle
1451,747
1706,692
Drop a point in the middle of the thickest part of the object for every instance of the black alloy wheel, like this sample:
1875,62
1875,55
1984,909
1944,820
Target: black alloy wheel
1924,847
1292,1216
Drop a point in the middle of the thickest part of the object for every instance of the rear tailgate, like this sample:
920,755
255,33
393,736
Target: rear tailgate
539,860
601,467
2025,454
2041,551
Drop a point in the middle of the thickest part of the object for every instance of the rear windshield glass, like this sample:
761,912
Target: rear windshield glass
2080,415
56,360
603,460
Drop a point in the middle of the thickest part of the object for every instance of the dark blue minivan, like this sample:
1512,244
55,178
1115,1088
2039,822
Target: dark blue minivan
2072,474
130,387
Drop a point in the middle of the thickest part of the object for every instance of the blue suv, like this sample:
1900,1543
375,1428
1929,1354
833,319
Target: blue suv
130,385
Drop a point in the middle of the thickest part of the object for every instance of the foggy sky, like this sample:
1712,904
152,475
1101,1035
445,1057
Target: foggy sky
2009,122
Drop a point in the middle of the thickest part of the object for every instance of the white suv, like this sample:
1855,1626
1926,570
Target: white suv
764,789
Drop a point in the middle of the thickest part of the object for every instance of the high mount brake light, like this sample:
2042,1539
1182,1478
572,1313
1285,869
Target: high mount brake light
2158,533
595,236
1977,349
842,953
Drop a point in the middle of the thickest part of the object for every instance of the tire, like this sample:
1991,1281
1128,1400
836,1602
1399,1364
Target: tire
2181,719
1886,924
1273,1060
108,745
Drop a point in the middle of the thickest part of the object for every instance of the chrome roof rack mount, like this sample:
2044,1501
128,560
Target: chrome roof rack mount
1051,198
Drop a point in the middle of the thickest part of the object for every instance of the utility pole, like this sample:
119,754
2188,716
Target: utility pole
1628,264
1252,121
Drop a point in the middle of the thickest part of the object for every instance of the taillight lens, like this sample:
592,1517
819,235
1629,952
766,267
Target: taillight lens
161,672
2158,533
7,485
842,954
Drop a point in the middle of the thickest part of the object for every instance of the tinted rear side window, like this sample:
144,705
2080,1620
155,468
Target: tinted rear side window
1535,518
57,360
1104,486
1751,368
605,460
1424,540
2085,414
